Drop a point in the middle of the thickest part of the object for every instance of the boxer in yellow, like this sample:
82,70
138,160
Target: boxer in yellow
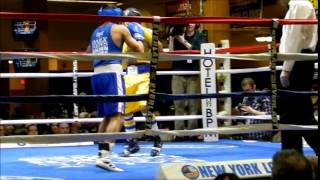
137,82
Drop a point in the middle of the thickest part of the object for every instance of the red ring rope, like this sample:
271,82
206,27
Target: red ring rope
169,20
297,21
234,50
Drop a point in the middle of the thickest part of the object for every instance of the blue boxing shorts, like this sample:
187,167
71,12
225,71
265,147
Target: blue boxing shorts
108,81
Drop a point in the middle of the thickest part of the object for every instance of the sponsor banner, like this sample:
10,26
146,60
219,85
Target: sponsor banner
208,86
209,170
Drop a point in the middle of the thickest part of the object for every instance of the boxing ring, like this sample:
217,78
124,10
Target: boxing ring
38,157
78,161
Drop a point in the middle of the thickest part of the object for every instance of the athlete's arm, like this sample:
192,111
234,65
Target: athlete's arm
134,45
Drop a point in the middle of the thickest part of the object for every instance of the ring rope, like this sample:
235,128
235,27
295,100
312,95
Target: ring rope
170,20
297,21
130,98
89,74
239,49
235,50
162,56
93,120
85,137
137,119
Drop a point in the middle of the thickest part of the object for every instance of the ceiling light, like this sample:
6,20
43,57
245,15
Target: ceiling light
264,39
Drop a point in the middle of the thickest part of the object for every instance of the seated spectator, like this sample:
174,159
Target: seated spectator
54,128
291,165
259,105
75,128
2,130
64,128
9,129
315,166
32,129
227,176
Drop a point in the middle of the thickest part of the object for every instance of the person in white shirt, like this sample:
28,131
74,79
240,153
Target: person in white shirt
298,76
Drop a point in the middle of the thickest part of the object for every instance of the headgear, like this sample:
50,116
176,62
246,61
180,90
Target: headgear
109,12
131,12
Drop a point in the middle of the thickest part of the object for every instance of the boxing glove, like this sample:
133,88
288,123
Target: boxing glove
136,31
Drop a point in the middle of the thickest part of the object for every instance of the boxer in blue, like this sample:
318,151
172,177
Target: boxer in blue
109,38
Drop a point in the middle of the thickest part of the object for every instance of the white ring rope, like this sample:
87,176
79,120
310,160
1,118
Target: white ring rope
85,137
89,74
137,119
162,56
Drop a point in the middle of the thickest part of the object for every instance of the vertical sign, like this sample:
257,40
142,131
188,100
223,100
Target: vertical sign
153,72
208,86
273,75
75,87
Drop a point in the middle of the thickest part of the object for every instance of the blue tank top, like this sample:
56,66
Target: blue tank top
101,43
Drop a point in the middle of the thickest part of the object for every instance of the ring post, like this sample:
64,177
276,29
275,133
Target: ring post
75,87
208,86
225,79
273,75
153,72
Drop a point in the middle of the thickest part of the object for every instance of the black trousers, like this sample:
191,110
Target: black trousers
299,110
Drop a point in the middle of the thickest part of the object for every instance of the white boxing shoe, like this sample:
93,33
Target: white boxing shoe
106,164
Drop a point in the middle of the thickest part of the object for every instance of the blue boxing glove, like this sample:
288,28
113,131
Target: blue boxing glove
136,31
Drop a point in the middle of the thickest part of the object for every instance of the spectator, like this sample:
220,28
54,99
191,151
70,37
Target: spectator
186,39
54,128
75,128
9,129
2,130
291,165
32,129
259,105
64,128
315,166
253,105
227,176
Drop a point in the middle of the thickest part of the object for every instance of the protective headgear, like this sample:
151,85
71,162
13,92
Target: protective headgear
109,12
131,12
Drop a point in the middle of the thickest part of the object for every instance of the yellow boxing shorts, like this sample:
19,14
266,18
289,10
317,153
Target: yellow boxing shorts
136,81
